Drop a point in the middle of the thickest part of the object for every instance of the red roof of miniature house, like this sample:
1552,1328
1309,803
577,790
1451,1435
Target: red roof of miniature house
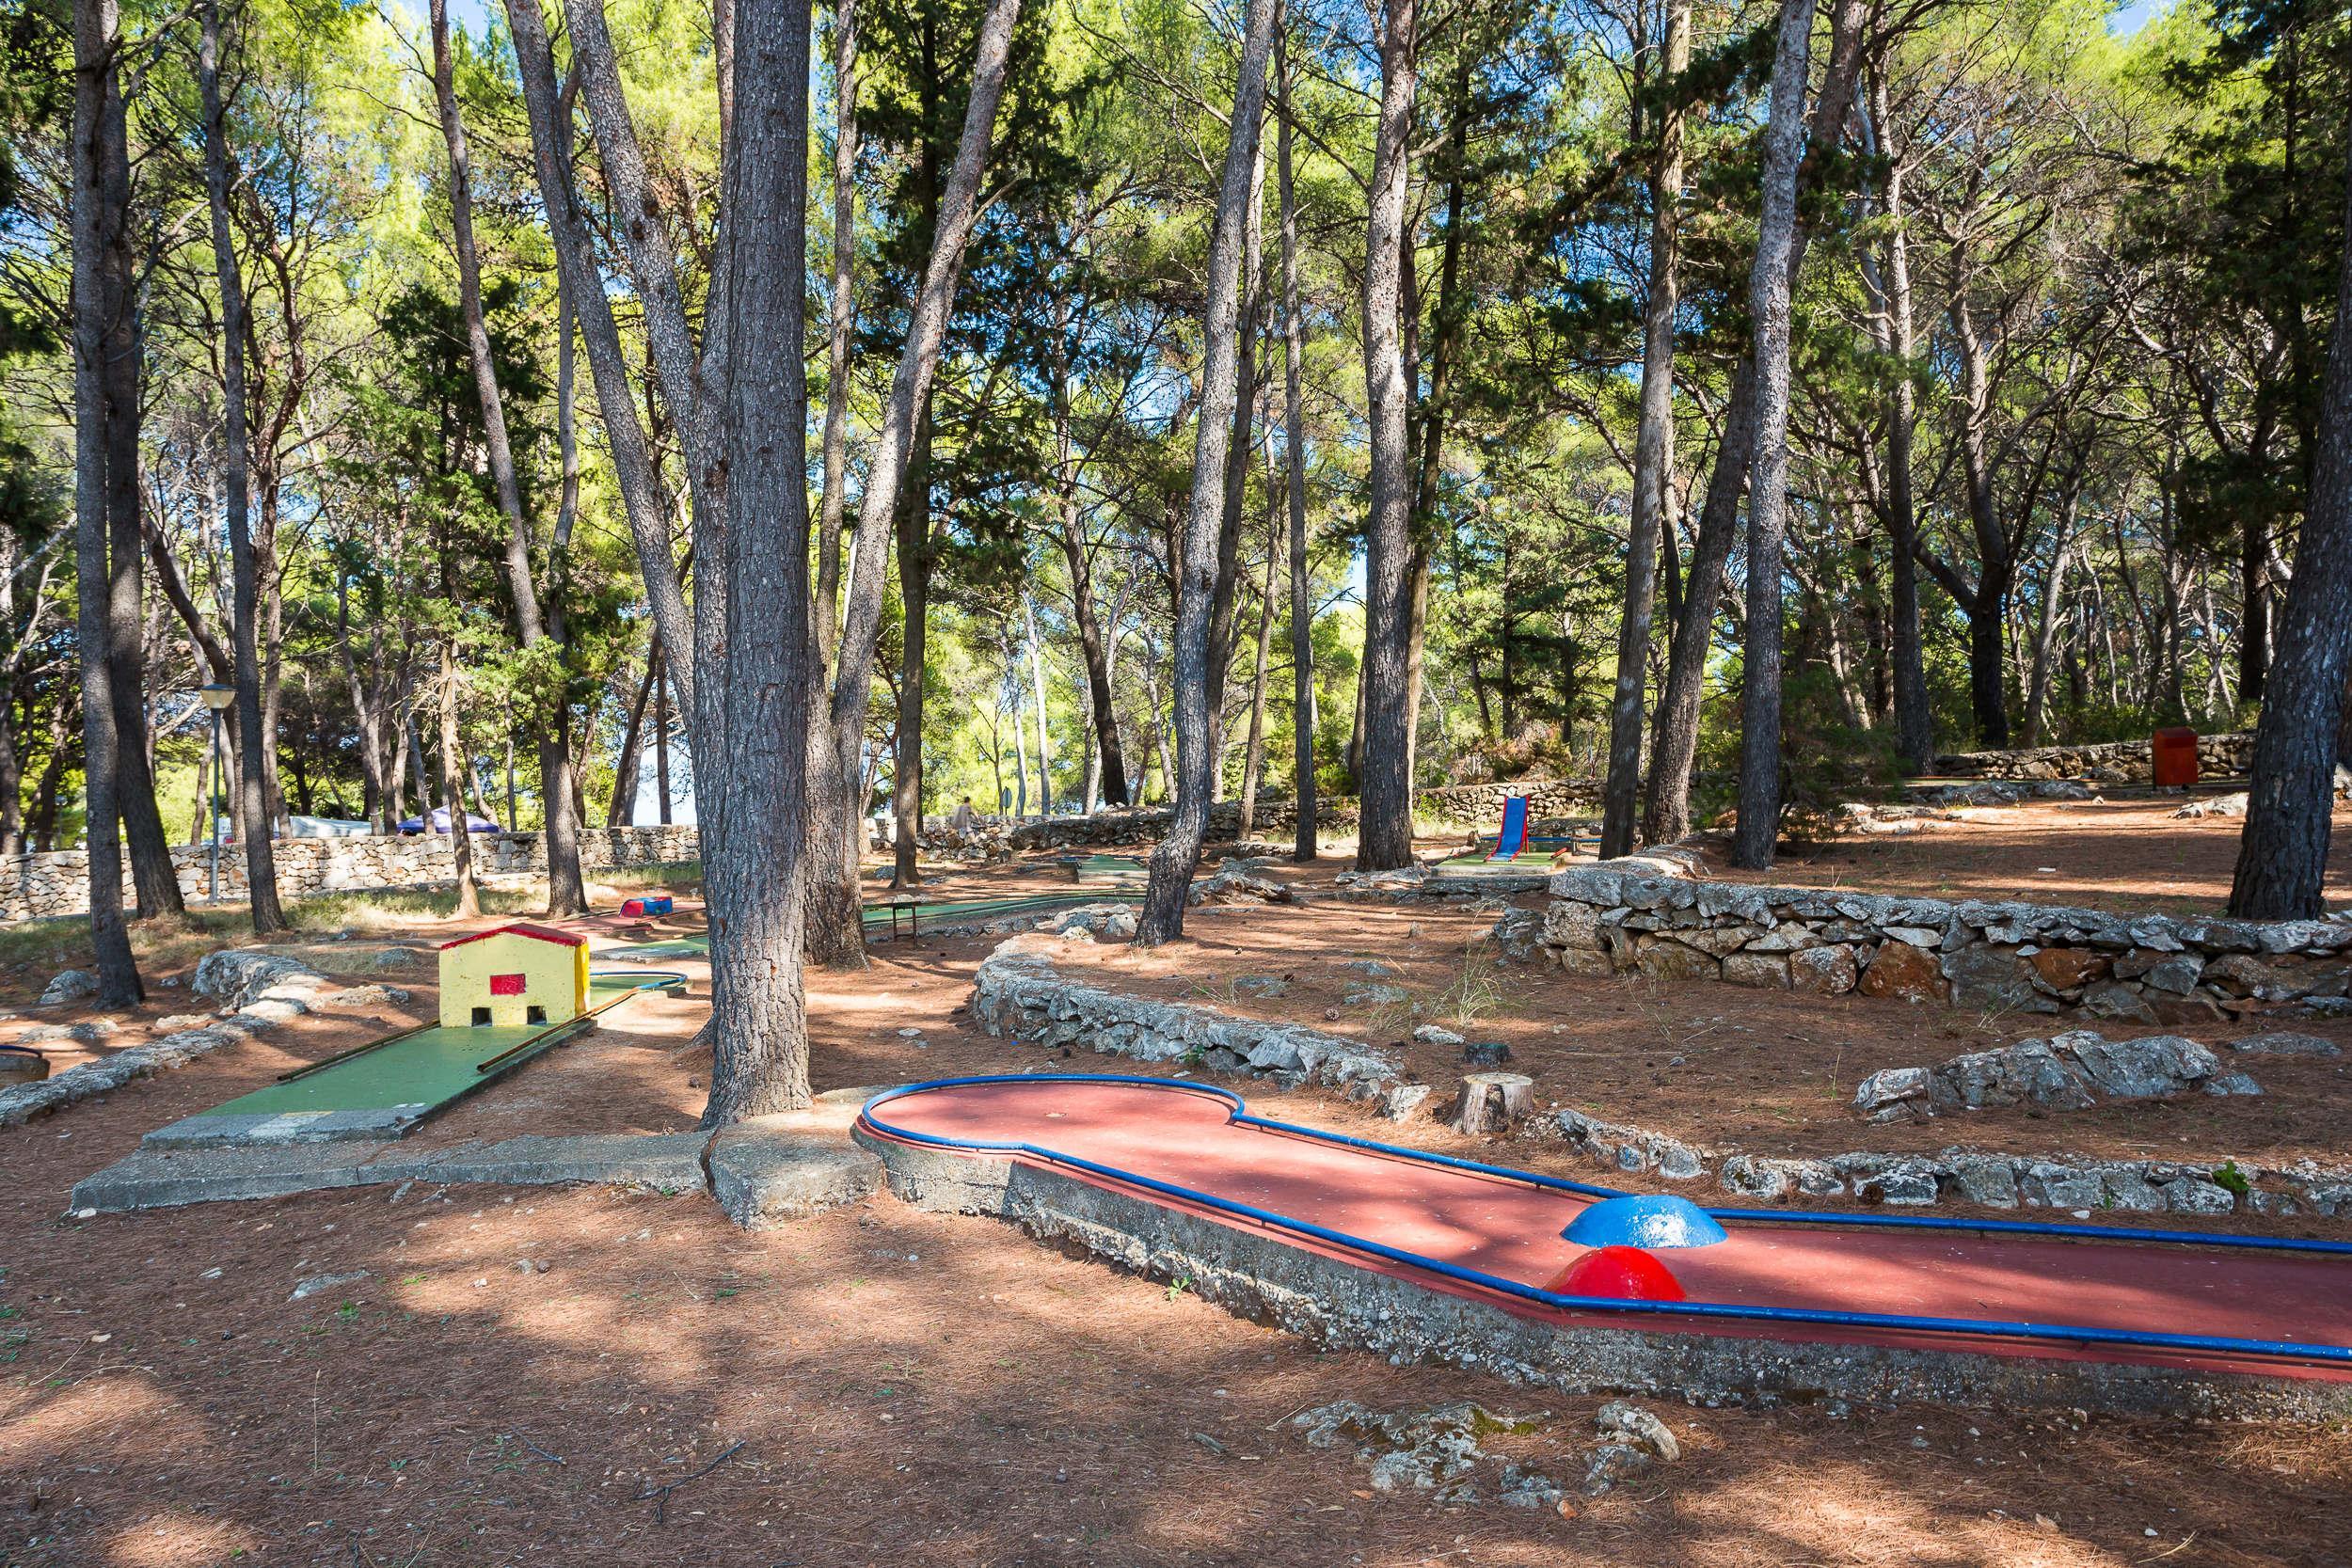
521,929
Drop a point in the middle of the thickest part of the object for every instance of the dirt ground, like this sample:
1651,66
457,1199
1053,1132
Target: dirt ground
518,1373
2129,854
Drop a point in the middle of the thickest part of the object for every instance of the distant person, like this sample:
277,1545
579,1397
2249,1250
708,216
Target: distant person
961,821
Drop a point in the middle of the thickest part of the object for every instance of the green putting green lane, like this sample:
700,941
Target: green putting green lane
424,1068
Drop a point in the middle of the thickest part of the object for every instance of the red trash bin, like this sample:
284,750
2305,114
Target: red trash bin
2174,754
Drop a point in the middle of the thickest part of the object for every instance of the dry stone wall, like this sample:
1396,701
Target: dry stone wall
44,886
2120,761
1018,992
2003,955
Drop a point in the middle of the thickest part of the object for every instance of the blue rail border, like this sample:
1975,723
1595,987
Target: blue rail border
2180,1344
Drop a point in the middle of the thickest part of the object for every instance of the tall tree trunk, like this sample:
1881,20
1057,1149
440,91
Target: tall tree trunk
841,323
1915,736
1653,459
621,811
1044,736
1295,486
1768,498
97,40
145,839
1178,855
1385,834
1222,599
253,823
662,748
452,792
914,525
2282,857
565,895
633,467
1988,694
2045,631
1666,812
759,1023
1094,647
1253,752
835,938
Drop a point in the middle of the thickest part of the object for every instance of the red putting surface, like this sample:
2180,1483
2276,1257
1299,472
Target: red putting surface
1506,1228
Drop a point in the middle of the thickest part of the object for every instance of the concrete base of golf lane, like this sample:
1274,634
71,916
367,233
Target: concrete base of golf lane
1337,1301
763,1173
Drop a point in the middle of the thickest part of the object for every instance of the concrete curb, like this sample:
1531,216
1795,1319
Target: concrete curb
1339,1303
763,1173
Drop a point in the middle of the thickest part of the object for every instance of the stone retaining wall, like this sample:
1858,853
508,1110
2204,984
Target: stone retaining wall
1017,992
46,886
2004,956
1958,1175
2118,762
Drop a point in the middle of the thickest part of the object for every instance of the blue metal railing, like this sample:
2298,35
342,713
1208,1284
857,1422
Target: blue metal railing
2184,1344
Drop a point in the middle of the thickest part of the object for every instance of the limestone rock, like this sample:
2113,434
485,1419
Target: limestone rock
1666,959
1902,972
1829,971
70,985
1769,970
2279,1042
1892,1092
2116,1001
1430,1033
1622,1421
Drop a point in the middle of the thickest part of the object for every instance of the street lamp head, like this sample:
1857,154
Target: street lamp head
217,697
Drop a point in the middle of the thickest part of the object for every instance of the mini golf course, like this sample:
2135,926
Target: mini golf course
384,1089
1407,1251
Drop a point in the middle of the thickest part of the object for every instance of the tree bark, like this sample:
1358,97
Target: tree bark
1915,736
621,811
1222,599
1653,460
841,323
97,42
453,795
1294,487
2282,856
1988,697
1178,855
1768,498
1254,751
1385,833
1110,759
633,466
1666,813
759,1016
1044,736
565,895
914,525
145,838
835,772
253,823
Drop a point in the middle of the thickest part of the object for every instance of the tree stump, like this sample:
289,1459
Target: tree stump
1491,1102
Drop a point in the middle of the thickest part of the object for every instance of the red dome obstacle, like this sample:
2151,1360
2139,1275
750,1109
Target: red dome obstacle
1623,1273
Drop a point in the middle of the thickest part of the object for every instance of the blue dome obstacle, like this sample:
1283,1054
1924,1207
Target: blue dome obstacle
1651,1220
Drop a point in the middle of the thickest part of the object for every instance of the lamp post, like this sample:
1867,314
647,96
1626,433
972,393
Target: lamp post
218,698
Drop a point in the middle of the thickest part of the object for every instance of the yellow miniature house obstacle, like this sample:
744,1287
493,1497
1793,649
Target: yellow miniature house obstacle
516,975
